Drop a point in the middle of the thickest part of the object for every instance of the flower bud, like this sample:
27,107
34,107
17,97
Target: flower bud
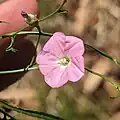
30,19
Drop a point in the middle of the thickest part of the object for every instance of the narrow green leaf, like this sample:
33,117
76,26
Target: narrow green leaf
30,112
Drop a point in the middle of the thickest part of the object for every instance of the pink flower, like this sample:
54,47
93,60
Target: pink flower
61,60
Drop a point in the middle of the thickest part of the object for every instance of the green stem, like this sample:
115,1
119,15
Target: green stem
102,76
117,86
38,28
5,113
46,34
19,70
34,57
29,33
116,61
30,112
21,32
55,12
26,32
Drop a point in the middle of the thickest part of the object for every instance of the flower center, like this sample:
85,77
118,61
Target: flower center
64,61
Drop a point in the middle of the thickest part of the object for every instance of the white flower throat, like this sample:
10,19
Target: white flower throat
64,61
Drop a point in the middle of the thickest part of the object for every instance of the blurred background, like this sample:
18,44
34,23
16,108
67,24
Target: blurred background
96,22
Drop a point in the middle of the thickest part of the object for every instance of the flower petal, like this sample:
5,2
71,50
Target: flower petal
76,69
46,61
57,77
74,46
55,44
79,62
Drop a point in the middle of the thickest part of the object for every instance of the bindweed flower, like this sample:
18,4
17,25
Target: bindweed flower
61,60
30,18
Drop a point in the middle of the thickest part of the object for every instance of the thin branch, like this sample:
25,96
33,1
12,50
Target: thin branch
36,114
55,12
117,86
19,70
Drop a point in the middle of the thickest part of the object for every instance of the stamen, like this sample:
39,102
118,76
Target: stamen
63,61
